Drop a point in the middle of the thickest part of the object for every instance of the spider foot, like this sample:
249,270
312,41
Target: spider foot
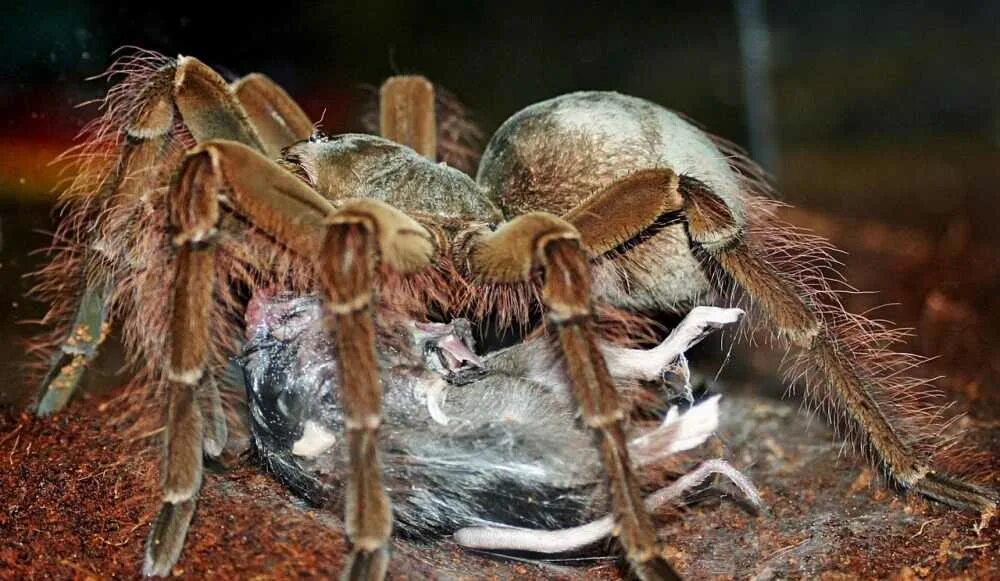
166,539
65,372
76,351
365,565
959,494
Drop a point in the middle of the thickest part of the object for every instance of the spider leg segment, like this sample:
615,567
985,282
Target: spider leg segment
277,118
360,234
194,214
146,135
407,115
621,213
348,243
609,222
544,240
713,227
254,111
279,204
68,363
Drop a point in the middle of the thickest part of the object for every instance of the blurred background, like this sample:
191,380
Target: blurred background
880,121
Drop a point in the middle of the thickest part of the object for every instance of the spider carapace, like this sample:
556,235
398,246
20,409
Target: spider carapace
189,188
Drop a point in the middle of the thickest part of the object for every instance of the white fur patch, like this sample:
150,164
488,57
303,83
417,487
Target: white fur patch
677,433
648,364
434,393
189,377
314,441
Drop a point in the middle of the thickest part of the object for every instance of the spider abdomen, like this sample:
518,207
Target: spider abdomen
554,155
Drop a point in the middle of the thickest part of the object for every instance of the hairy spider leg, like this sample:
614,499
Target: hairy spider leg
78,349
407,114
140,142
277,118
276,202
186,93
281,205
360,235
347,242
194,214
183,95
539,240
798,321
143,126
609,217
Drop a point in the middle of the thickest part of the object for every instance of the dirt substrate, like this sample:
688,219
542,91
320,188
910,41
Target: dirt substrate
74,507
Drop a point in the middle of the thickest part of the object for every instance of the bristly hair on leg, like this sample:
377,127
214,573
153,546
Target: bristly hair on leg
459,139
806,261
113,235
87,249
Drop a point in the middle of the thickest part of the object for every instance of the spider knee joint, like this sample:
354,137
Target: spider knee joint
194,201
365,423
355,304
603,420
805,337
185,377
368,544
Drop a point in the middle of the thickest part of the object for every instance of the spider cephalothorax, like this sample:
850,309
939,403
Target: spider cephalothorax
193,193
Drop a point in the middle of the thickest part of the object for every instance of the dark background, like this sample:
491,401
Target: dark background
885,116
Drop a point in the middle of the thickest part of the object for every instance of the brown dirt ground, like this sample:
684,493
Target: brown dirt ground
76,506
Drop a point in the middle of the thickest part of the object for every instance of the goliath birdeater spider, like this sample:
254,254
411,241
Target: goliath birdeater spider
590,207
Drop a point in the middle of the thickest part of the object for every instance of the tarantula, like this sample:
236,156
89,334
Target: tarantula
594,207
